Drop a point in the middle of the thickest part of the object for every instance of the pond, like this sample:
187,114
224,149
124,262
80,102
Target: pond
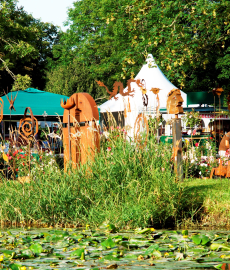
108,248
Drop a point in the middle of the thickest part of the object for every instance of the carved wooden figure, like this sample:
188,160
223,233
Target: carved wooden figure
174,102
174,106
80,132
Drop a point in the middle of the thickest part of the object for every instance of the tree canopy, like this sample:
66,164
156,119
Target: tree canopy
189,40
25,46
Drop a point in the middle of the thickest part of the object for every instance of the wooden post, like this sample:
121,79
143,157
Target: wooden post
177,145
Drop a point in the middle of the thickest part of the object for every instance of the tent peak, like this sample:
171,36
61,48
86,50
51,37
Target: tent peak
32,90
150,61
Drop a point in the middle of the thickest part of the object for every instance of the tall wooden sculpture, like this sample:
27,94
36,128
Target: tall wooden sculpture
174,106
80,132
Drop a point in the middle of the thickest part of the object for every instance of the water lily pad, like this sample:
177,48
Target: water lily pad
109,243
36,248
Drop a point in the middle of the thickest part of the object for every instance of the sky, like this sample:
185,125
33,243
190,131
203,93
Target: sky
52,11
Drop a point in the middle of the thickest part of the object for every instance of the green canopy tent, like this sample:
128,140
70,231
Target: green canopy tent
45,106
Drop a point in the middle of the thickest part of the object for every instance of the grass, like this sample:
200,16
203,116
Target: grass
216,201
127,185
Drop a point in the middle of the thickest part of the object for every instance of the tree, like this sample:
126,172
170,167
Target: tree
189,39
25,44
73,78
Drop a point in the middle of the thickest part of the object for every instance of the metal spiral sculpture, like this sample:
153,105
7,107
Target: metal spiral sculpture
28,125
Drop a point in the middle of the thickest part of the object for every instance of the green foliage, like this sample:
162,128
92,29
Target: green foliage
191,119
25,45
173,249
73,78
21,82
199,157
113,38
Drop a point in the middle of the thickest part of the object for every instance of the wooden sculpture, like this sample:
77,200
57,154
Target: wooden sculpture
28,125
1,109
174,102
80,132
141,129
220,170
174,106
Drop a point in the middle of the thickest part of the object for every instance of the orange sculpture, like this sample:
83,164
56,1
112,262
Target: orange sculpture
221,170
28,125
174,102
217,91
118,86
156,91
80,132
11,101
141,129
1,109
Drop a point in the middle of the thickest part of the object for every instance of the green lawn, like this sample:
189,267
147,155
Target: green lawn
216,200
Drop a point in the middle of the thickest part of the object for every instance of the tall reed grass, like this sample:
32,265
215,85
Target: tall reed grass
128,185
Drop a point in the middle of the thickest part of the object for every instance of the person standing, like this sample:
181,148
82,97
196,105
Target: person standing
224,144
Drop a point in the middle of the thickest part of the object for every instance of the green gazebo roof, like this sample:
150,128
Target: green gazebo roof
41,102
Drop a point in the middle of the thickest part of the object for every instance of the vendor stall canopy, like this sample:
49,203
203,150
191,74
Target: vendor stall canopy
43,104
203,98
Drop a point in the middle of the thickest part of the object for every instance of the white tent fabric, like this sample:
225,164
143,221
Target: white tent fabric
153,78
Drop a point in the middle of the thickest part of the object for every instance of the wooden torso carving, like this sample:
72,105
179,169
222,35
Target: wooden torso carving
80,132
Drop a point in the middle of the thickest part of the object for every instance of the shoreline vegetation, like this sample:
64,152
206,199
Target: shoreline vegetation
127,185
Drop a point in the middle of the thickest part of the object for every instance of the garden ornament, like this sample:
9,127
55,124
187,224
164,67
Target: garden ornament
141,129
11,101
221,170
28,125
176,149
142,85
174,102
1,109
156,91
127,109
80,132
119,86
217,91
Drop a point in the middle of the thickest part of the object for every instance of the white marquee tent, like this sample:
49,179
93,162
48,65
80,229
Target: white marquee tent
153,78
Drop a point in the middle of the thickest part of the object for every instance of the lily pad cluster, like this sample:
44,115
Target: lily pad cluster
108,248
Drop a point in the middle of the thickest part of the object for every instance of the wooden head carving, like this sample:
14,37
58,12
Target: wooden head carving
28,125
80,132
174,102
